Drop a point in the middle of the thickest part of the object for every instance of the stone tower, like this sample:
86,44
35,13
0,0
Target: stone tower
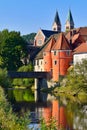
56,24
69,22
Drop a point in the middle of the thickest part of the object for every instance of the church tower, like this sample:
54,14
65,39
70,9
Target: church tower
69,22
56,24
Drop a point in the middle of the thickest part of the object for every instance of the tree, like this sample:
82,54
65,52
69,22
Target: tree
4,79
12,50
29,38
77,77
24,82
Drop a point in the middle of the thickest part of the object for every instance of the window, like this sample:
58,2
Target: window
68,53
41,62
67,27
39,42
44,54
55,62
54,52
45,62
37,62
54,29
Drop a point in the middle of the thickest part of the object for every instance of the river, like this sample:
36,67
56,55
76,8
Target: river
66,114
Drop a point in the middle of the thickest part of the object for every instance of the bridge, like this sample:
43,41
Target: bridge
13,74
40,77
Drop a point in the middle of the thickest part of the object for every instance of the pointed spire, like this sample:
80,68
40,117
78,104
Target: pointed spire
69,22
56,24
70,18
57,19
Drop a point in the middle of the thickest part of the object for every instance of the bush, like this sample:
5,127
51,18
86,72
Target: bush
8,120
4,80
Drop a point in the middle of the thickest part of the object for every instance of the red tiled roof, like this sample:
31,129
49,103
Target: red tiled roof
81,49
61,43
82,31
77,38
50,44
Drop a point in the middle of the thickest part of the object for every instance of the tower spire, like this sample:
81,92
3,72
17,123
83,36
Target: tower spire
56,24
69,22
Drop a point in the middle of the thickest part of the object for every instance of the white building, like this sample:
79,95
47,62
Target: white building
80,53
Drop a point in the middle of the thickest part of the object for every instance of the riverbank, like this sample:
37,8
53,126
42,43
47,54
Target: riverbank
66,92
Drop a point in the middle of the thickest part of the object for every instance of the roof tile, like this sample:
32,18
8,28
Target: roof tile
61,43
81,49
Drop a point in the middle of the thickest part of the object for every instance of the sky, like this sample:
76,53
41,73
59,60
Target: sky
28,16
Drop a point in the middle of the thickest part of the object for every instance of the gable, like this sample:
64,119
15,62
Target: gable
39,38
61,43
40,34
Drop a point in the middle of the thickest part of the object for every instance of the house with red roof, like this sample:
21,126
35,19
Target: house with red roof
80,53
56,50
56,56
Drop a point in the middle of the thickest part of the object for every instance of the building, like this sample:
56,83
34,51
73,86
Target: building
56,49
42,35
69,22
55,56
80,53
56,24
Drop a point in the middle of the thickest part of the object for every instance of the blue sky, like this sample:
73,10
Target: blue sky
29,16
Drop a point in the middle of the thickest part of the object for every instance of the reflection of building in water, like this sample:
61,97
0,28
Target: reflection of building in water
52,109
57,112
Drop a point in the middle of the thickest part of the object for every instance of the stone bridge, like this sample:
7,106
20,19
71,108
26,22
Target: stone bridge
40,77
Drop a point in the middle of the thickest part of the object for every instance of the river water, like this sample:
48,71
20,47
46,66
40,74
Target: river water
68,115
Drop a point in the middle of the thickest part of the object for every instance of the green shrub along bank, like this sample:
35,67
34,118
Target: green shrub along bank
75,82
4,79
8,120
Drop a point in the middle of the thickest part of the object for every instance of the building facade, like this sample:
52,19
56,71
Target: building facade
56,53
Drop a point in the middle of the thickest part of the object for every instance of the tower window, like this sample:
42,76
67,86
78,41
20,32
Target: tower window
67,27
55,62
55,53
44,54
68,53
54,29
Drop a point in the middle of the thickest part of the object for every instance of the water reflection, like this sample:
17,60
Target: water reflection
54,109
67,115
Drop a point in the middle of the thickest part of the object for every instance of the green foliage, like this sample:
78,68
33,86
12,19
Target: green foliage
23,95
51,125
8,120
24,82
4,79
12,50
77,77
29,38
